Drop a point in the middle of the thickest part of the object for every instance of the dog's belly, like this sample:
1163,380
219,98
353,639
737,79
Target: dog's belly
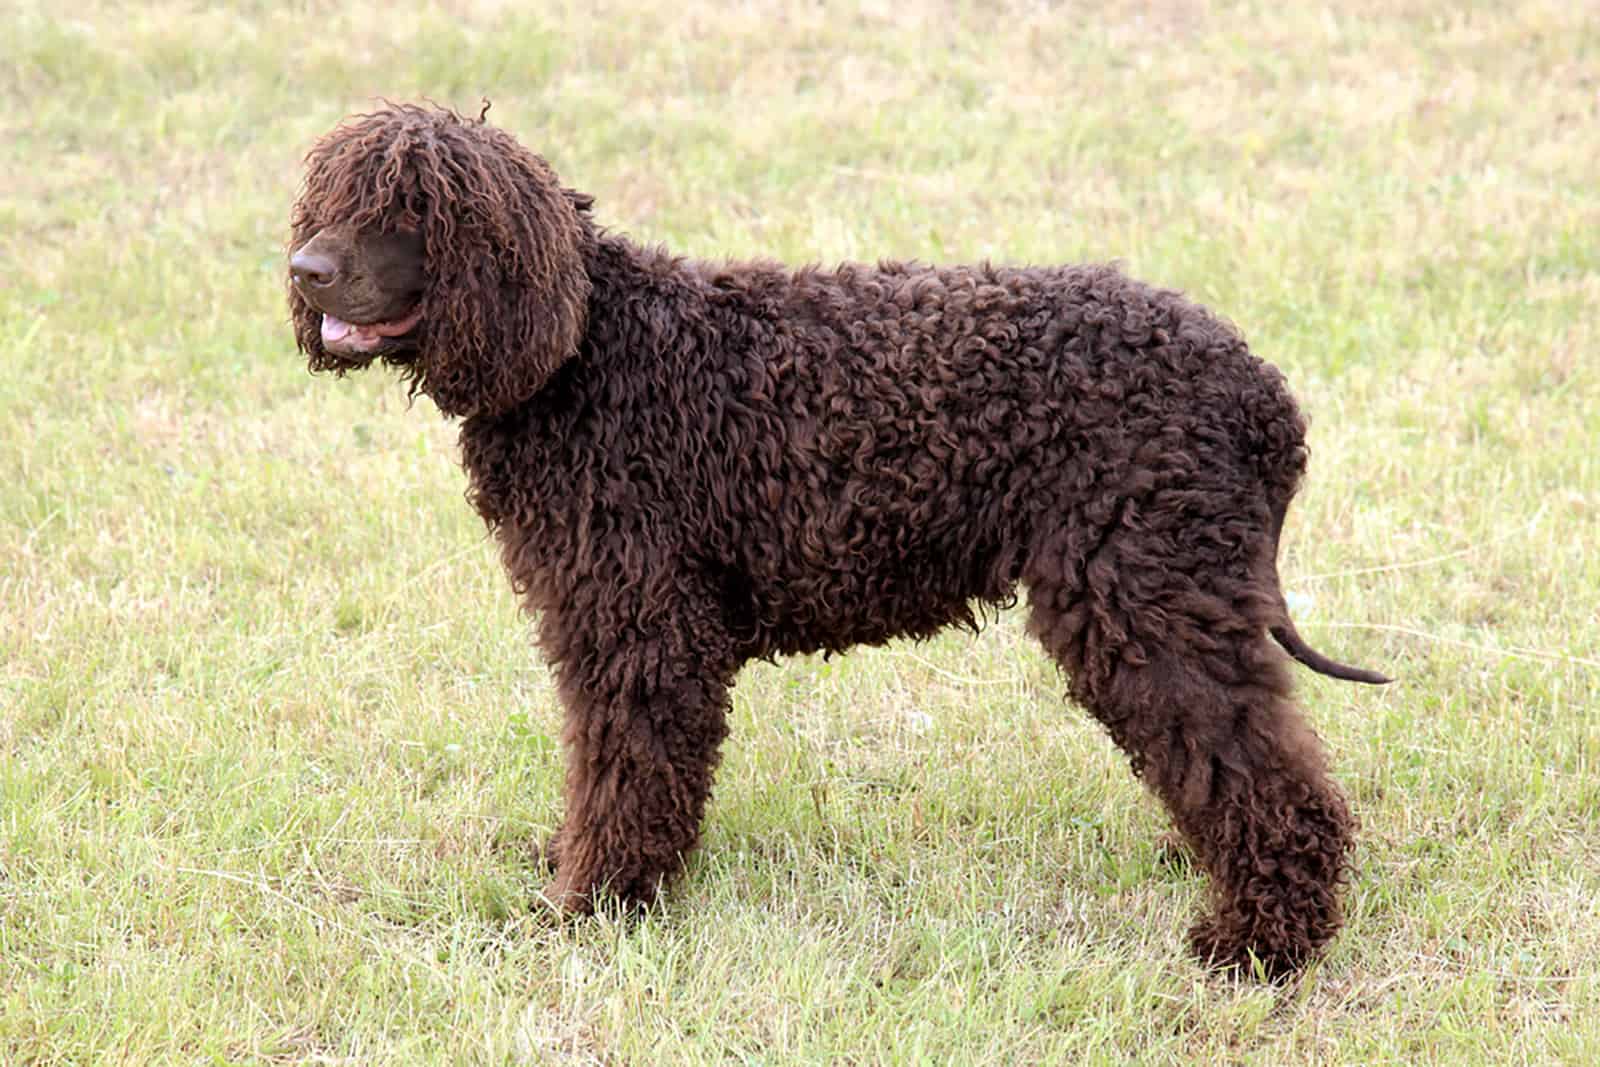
872,572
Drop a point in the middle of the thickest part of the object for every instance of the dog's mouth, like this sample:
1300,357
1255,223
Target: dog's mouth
366,338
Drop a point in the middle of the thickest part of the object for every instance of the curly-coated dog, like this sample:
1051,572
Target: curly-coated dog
690,464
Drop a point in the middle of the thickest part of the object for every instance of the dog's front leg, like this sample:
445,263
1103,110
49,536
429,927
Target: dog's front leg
645,714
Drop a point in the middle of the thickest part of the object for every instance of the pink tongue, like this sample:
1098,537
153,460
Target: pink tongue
334,330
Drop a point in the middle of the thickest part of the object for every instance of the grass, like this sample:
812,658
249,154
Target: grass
275,751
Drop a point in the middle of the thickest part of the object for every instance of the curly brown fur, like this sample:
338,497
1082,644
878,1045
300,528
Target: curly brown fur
688,465
505,288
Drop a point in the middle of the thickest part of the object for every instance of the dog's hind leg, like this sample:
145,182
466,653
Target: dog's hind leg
1180,670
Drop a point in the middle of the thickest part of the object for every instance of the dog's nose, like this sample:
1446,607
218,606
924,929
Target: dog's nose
312,269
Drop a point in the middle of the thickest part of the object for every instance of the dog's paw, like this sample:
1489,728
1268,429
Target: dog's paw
1225,949
563,901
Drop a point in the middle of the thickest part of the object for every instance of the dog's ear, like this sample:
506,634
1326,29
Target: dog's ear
507,295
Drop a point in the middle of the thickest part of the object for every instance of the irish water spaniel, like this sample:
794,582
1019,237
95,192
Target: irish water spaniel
688,465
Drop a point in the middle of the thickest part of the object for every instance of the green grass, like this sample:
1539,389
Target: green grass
275,750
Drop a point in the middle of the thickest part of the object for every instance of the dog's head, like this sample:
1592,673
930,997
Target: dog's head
440,245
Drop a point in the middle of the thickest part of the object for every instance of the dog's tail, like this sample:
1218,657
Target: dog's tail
1287,636
1296,646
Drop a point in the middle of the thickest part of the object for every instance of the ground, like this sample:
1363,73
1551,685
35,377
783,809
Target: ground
275,751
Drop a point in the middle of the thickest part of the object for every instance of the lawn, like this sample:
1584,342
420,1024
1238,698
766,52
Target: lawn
276,748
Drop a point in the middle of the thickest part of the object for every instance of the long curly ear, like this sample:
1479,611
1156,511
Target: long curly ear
507,293
507,298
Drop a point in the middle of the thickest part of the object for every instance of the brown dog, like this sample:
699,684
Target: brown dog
688,465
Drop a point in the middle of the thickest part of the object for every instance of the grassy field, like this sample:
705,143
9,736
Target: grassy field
275,748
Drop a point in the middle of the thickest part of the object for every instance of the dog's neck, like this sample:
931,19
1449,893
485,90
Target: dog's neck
639,294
